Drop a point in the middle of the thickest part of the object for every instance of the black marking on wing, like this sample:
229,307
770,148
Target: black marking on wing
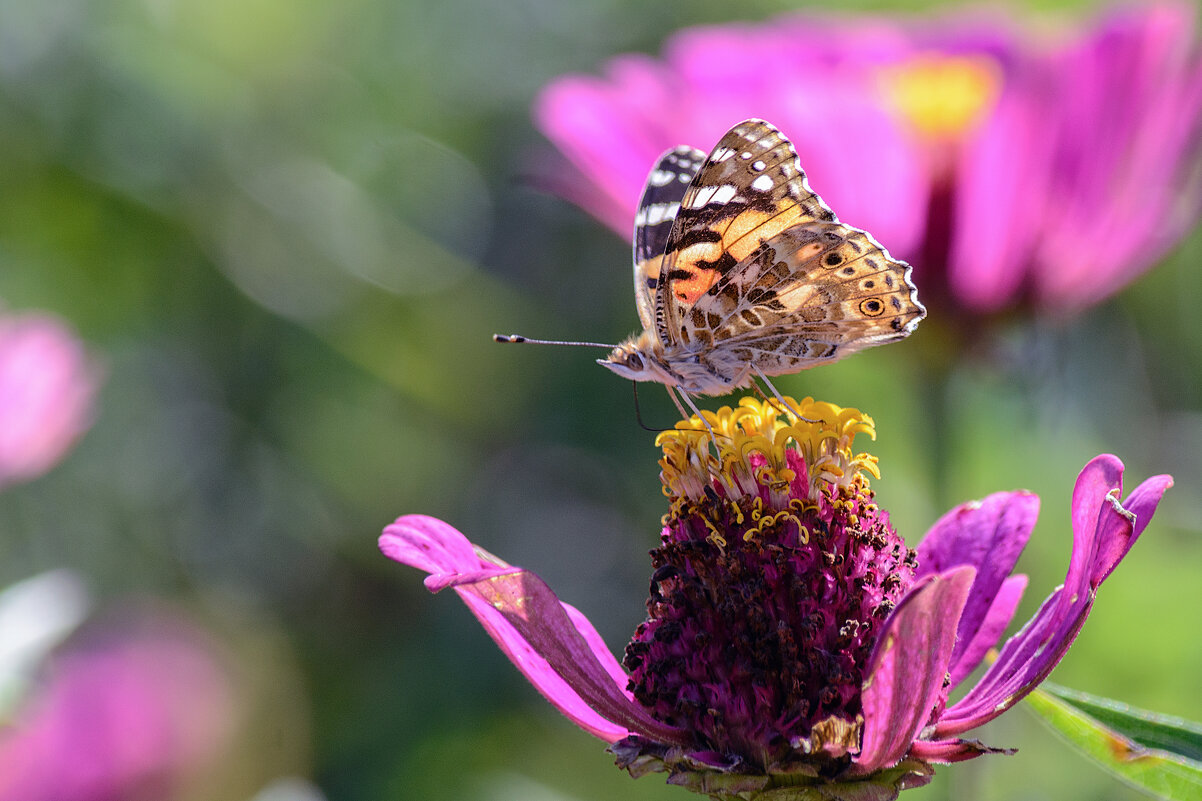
666,185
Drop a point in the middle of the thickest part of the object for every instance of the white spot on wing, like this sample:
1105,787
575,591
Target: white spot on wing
725,194
763,184
656,213
660,177
713,194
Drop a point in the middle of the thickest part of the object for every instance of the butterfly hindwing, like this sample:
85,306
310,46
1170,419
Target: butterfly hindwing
810,276
665,187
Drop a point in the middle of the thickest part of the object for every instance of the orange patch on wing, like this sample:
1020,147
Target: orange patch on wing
691,289
748,230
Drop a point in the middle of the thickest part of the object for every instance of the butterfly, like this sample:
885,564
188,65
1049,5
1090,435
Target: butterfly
741,271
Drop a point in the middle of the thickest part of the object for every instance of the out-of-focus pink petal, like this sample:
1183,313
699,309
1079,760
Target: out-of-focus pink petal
1103,532
46,390
1000,613
1128,189
907,667
128,712
606,129
1000,194
989,535
552,644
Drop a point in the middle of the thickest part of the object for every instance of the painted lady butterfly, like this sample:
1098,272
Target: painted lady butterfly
741,271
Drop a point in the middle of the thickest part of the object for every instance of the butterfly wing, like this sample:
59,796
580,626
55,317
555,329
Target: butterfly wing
658,206
816,292
758,270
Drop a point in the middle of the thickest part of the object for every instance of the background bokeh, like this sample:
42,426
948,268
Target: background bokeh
286,232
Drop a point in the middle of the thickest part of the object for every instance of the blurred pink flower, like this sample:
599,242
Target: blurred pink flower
1007,164
127,711
794,648
47,386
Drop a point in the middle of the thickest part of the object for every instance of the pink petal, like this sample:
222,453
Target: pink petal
1103,532
608,130
552,644
946,751
1000,613
998,207
908,665
989,535
1128,189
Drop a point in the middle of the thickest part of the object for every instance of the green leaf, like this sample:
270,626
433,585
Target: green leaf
1156,753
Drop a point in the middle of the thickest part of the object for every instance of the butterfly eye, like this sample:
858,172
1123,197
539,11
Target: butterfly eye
634,361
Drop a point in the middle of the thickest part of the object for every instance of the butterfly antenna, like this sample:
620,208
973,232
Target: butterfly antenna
519,338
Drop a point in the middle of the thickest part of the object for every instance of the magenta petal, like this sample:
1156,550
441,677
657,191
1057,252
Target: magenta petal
1001,612
989,535
908,665
609,130
431,545
1126,190
1103,532
945,751
998,208
552,644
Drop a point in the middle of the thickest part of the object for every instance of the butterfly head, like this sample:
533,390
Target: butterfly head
636,359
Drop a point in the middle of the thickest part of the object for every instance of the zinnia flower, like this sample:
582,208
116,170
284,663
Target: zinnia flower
1008,165
794,647
47,387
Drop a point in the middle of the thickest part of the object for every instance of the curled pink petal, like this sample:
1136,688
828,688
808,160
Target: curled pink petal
550,643
1103,532
908,666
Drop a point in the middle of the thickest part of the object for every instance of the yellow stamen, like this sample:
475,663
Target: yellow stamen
940,96
752,442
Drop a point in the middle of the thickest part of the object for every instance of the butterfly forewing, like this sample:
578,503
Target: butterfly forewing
657,211
749,189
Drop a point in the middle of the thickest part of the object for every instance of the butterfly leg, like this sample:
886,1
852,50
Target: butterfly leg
696,411
779,397
676,401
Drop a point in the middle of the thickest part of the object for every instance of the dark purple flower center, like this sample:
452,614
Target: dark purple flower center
763,612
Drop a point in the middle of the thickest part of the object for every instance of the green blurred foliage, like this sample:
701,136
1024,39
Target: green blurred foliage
288,230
